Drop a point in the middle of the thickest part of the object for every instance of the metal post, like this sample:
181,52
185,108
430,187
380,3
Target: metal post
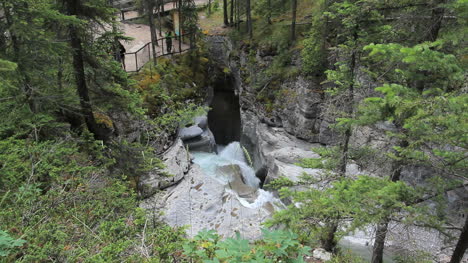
180,25
151,66
149,53
136,62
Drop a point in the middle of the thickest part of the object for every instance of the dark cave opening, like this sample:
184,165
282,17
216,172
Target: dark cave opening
224,117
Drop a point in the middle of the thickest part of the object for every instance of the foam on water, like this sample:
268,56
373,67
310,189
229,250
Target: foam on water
233,152
263,198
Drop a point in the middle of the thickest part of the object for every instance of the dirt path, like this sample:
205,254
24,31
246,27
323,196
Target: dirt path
141,37
167,7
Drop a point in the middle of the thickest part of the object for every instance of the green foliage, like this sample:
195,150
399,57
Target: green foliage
8,243
314,53
61,202
279,183
346,257
424,98
314,163
328,160
421,63
414,257
276,246
7,65
171,93
366,200
271,8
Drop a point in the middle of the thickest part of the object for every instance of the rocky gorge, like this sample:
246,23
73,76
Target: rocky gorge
219,164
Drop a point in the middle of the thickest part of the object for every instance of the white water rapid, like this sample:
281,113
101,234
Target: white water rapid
233,154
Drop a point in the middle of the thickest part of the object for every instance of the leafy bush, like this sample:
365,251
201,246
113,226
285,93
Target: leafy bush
276,246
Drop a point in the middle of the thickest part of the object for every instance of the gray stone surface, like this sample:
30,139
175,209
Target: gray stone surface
198,137
201,121
321,254
204,143
177,163
201,202
276,149
190,132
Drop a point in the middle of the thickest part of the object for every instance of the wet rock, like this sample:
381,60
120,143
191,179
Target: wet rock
275,149
198,137
203,143
237,182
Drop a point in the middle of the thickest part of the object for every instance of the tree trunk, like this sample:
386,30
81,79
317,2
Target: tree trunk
180,26
232,12
238,14
154,36
80,78
225,13
436,20
379,243
60,73
269,12
382,227
462,244
328,241
160,10
249,19
349,107
293,23
21,67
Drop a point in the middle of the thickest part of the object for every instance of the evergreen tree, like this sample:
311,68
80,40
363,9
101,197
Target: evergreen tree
420,81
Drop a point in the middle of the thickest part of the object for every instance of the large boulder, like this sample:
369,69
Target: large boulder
203,143
190,132
201,121
198,137
177,163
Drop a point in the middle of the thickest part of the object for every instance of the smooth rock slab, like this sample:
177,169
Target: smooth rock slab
190,132
201,202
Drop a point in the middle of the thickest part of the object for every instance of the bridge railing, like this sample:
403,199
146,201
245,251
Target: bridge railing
134,61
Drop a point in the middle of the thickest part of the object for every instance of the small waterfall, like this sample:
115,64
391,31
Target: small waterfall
231,154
